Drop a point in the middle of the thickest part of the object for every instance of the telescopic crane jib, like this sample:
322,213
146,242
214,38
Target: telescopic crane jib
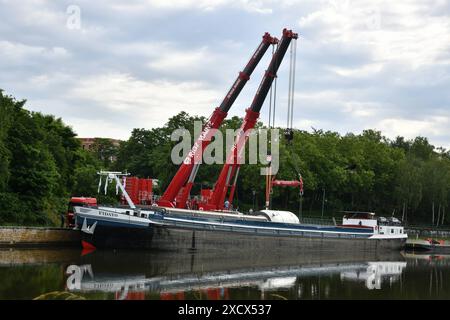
183,180
230,169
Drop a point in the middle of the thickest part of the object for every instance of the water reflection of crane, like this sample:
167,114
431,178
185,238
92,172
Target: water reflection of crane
81,278
220,293
216,285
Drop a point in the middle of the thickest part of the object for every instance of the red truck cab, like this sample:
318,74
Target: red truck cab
78,202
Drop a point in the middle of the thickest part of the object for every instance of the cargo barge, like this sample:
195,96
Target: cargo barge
266,230
174,225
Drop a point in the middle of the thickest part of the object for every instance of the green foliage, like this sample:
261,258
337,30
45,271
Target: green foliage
42,164
105,151
355,172
13,209
85,181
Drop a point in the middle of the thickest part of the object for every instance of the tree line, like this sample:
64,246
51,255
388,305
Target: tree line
409,179
42,164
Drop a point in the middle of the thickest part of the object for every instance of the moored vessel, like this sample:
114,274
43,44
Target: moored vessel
267,230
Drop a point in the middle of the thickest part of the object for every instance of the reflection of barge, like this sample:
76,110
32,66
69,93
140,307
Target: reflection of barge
375,273
125,274
167,276
268,231
82,278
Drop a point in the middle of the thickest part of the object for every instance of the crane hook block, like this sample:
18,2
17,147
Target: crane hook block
289,135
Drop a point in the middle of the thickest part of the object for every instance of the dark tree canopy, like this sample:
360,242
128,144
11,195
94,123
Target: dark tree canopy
42,164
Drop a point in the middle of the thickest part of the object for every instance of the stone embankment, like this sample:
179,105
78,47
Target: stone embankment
38,237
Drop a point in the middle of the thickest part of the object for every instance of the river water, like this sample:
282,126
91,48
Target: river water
136,275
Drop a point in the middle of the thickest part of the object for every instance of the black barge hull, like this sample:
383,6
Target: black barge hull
178,239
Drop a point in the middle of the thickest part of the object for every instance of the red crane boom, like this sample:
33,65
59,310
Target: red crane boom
183,179
231,167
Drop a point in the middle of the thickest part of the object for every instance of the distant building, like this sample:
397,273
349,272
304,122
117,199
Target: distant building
87,144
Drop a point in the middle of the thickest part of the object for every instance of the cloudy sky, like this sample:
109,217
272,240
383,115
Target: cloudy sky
124,64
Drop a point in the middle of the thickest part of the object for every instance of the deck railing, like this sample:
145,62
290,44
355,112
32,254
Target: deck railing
427,231
318,221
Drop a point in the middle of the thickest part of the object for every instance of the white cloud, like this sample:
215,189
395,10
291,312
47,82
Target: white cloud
149,104
361,64
13,52
34,13
362,109
93,128
382,64
182,61
400,31
48,81
306,124
434,127
361,72
256,6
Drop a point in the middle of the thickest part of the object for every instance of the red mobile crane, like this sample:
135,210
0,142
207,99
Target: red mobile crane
181,184
230,169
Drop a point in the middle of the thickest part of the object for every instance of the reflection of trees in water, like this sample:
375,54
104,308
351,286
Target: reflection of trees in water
430,271
29,281
436,281
132,276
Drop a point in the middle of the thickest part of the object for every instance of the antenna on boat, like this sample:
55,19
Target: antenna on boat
99,184
114,175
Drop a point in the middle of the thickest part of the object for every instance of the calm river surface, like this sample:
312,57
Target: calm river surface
27,274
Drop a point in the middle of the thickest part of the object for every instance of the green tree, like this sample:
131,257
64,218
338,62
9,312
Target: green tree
408,187
39,155
105,151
